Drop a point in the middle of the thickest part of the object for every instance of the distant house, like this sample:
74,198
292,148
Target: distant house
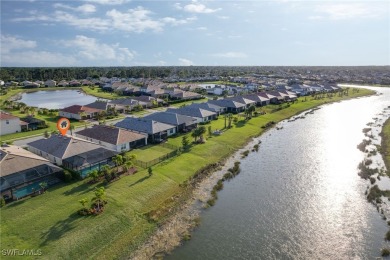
243,100
124,104
185,95
73,153
261,100
113,138
50,83
156,131
101,105
149,101
231,106
21,172
183,123
201,115
34,123
63,83
79,112
9,124
210,107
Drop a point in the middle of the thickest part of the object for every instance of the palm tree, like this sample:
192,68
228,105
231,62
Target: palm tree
250,110
43,186
94,175
126,167
230,118
99,198
118,159
32,110
83,202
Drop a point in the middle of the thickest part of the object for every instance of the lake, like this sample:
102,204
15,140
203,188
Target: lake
56,99
299,196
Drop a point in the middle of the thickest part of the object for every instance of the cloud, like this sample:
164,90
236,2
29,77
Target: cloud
9,43
196,7
108,2
136,20
185,62
234,55
347,11
90,49
86,8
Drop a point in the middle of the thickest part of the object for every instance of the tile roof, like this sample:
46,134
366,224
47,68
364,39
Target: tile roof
77,109
14,159
4,116
227,103
171,118
63,146
192,111
143,125
109,134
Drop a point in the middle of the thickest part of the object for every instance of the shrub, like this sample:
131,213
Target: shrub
67,176
2,202
388,235
385,252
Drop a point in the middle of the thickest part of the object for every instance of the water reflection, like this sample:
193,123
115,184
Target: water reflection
56,99
300,196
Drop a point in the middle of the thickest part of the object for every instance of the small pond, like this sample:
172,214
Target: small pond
56,99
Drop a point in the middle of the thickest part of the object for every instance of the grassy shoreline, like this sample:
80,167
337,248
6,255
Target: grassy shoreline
385,144
125,225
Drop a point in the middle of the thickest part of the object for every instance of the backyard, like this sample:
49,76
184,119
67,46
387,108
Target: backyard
60,233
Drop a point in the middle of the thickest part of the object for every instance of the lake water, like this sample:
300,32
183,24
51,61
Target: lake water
299,196
56,99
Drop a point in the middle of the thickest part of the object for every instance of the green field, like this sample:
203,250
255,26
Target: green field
150,152
49,221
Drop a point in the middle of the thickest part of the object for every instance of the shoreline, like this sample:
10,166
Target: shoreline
179,226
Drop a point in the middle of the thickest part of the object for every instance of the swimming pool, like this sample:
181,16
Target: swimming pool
27,190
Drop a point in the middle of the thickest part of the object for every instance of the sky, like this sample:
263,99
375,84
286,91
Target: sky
49,33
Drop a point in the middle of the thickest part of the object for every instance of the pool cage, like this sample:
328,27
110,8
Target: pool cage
86,162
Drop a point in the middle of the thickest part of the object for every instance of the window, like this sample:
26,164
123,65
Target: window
7,122
123,147
171,131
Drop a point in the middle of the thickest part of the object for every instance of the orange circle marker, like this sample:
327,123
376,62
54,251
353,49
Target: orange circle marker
63,125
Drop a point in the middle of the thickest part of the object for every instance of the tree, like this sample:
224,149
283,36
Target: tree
150,171
43,186
195,135
83,202
230,118
46,134
130,157
2,202
185,142
210,131
94,175
106,172
118,160
98,199
127,165
251,109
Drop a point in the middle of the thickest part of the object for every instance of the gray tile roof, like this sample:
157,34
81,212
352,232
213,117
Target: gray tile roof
109,134
207,106
227,103
192,111
171,118
142,125
98,104
15,159
63,146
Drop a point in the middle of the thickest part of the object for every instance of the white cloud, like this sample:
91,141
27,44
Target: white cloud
91,49
234,55
174,21
196,7
185,62
86,8
108,2
9,43
347,11
223,17
37,59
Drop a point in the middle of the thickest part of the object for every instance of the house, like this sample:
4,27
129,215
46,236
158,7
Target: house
259,99
79,112
210,107
9,124
183,123
113,138
34,123
21,172
185,95
99,104
156,131
231,106
50,83
243,100
149,101
201,115
63,83
72,152
124,104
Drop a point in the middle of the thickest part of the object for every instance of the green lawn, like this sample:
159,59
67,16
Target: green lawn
385,146
150,152
49,221
189,102
97,92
